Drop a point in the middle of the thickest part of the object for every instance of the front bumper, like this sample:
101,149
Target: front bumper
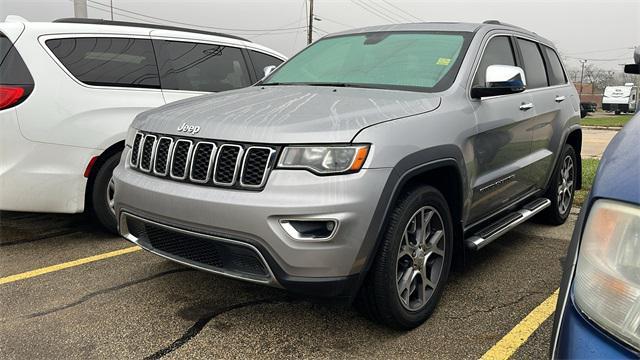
253,218
580,339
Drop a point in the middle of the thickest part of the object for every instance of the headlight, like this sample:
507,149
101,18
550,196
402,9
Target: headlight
607,280
324,159
131,134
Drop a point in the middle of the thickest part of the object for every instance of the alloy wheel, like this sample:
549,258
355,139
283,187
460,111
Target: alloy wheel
111,189
420,258
565,185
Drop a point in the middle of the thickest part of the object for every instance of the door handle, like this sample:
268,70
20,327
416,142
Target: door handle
560,98
526,106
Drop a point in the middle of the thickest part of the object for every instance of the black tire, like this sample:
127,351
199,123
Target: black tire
617,112
553,215
99,201
379,296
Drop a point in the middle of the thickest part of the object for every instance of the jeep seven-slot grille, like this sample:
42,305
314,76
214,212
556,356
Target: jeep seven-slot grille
206,162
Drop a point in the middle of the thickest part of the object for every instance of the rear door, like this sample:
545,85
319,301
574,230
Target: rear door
552,96
190,68
503,143
89,87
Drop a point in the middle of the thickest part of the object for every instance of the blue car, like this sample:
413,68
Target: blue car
598,312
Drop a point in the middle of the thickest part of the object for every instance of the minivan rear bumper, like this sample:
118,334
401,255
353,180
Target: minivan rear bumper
253,219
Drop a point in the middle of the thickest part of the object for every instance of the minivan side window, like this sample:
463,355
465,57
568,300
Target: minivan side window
498,52
534,69
200,67
107,61
261,61
556,73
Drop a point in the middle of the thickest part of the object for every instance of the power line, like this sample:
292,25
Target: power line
324,18
124,15
248,31
603,50
374,11
408,15
589,59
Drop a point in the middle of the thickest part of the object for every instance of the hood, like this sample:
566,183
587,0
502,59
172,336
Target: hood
285,114
618,175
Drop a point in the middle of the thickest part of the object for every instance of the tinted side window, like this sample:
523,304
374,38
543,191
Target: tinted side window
13,70
200,67
498,52
556,74
261,61
108,61
534,70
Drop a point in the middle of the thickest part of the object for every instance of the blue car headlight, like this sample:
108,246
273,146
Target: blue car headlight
607,277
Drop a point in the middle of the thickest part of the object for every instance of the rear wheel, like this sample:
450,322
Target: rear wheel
561,188
102,195
411,268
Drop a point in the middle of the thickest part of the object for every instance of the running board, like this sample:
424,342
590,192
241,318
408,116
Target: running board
498,228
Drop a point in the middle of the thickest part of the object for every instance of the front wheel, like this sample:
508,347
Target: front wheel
102,196
561,188
411,268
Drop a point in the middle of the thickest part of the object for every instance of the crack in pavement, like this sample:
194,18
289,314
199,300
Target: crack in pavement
196,328
104,291
496,307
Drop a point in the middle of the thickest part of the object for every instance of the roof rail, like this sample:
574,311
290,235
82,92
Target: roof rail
497,22
145,25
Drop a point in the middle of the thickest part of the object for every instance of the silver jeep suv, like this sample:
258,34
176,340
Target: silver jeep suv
361,166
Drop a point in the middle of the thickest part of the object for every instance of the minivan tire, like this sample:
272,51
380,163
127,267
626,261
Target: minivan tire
380,298
554,214
101,208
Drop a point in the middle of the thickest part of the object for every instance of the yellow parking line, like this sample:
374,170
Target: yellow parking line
49,269
510,343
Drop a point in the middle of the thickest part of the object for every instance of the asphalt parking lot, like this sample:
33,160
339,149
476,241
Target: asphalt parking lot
137,305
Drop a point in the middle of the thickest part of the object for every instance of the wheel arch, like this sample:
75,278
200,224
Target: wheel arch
95,167
441,167
574,138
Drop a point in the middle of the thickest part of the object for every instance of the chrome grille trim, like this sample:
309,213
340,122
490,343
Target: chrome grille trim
186,165
235,170
142,151
209,167
135,148
238,166
169,157
263,180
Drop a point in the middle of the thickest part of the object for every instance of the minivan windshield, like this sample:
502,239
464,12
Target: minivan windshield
420,61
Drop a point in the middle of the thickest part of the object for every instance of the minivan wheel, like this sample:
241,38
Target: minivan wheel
562,188
103,192
413,261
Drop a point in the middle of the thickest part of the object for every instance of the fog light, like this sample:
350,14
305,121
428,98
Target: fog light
310,230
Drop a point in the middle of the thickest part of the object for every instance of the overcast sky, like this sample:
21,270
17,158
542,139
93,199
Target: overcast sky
595,30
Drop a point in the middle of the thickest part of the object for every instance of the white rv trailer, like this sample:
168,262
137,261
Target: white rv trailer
620,99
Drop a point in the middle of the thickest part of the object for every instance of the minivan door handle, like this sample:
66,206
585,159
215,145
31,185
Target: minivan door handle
560,98
526,106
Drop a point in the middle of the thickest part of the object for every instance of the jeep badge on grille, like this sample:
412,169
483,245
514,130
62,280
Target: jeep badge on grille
193,129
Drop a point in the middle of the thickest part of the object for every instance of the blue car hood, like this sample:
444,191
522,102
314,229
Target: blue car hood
619,172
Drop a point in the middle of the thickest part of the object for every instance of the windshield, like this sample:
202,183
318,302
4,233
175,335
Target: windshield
423,61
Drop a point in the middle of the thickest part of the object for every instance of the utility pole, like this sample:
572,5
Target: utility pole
310,29
111,3
80,8
582,61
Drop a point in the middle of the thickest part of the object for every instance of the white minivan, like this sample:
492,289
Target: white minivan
69,90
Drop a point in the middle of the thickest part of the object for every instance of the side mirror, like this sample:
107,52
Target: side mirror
268,70
501,80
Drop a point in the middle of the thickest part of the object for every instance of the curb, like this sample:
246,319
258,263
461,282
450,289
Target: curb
611,128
